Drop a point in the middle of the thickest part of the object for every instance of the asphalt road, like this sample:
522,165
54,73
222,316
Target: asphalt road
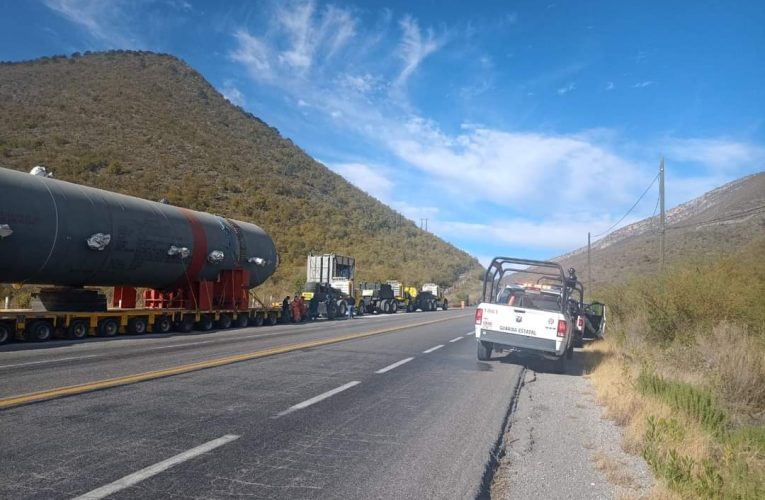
405,414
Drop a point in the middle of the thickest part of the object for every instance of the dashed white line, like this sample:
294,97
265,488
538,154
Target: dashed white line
394,365
456,339
47,361
428,351
153,470
320,397
180,345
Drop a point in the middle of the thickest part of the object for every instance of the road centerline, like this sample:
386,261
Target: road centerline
153,470
456,339
394,365
320,397
435,348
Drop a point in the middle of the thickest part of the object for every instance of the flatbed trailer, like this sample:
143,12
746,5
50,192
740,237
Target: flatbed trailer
39,326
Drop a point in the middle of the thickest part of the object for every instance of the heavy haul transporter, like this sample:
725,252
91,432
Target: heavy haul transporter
196,269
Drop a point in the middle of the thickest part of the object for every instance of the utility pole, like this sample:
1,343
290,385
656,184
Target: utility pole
661,213
589,266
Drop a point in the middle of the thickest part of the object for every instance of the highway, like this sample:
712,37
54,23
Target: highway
377,407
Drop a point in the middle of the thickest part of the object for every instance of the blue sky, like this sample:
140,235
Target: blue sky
513,127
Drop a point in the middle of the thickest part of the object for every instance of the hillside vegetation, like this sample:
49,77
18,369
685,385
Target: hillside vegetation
148,125
683,369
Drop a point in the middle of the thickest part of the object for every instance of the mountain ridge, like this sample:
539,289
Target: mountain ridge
151,126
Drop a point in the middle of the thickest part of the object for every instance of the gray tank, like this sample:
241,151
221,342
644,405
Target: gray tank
58,233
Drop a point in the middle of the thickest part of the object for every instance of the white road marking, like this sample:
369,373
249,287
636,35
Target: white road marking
180,345
320,397
47,361
428,351
155,469
394,365
471,333
455,340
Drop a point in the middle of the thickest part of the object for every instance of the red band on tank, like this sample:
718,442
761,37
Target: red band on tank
199,251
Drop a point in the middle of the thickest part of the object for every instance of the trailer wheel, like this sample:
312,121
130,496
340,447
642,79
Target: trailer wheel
484,350
258,319
272,319
432,305
186,324
409,308
385,306
78,329
393,307
224,321
342,309
162,325
137,326
5,333
242,320
39,331
205,323
108,327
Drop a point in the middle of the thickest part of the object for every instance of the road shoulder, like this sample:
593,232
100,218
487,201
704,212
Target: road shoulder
558,441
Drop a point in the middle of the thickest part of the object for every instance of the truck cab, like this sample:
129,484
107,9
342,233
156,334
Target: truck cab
529,317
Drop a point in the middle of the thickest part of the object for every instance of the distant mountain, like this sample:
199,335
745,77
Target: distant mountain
713,224
149,125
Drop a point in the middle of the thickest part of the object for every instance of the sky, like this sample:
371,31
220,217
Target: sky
513,127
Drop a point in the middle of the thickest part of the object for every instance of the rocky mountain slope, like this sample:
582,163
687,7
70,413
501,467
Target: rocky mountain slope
713,224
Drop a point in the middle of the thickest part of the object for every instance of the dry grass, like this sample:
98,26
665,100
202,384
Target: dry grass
737,362
617,472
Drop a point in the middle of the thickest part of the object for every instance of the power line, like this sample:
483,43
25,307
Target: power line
630,210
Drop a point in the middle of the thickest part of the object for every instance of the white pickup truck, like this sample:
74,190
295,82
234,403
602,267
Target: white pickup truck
532,318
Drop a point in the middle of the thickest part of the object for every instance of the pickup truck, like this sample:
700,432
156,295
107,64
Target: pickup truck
533,318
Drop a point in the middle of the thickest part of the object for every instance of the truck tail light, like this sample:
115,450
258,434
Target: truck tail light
478,316
580,323
561,328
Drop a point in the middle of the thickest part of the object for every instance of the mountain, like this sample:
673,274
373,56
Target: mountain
149,125
716,223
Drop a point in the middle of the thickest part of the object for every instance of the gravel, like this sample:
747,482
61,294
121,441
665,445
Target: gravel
559,445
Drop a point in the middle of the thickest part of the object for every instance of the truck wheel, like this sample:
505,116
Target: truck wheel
224,321
242,320
162,325
445,306
393,307
5,333
484,350
39,331
385,306
258,319
186,324
272,318
205,323
78,329
342,309
137,326
108,327
560,364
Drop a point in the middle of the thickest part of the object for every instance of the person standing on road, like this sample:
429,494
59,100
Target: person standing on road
350,307
286,309
313,307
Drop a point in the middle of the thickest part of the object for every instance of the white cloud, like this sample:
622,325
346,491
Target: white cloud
610,86
374,180
511,169
565,90
254,55
105,21
302,104
554,235
233,94
643,84
718,154
413,48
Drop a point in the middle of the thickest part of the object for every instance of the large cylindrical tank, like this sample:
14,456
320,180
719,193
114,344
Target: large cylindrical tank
58,233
